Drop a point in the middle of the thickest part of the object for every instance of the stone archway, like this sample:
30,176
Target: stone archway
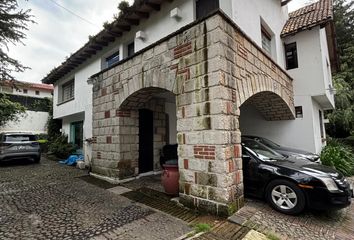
160,102
212,68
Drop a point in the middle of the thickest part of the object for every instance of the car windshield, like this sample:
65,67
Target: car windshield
269,143
20,138
261,150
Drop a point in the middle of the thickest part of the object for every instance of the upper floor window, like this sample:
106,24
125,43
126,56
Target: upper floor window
25,91
266,40
68,91
114,58
131,49
204,7
37,92
291,56
298,112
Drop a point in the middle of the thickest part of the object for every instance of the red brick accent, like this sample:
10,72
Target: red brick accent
231,166
120,113
107,114
104,91
237,177
174,66
186,72
237,151
242,51
182,50
109,139
98,155
229,108
204,152
185,163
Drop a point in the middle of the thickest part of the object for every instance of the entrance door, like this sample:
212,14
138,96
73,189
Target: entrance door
146,141
76,134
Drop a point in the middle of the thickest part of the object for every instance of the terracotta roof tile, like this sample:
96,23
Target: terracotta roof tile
309,16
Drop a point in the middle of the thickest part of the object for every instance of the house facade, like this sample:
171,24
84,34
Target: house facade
199,74
32,96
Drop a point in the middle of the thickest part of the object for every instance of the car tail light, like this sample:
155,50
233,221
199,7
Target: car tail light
5,144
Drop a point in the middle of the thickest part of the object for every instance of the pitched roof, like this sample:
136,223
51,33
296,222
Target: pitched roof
309,16
39,86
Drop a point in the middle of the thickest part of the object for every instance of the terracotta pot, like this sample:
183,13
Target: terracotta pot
170,178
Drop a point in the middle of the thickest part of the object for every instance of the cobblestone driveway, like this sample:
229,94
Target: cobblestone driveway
49,201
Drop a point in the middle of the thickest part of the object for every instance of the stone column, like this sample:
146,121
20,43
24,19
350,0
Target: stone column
210,163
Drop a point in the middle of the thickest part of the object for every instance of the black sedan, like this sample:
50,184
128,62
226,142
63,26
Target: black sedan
286,151
290,185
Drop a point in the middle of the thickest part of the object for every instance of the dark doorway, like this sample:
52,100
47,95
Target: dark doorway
205,7
146,141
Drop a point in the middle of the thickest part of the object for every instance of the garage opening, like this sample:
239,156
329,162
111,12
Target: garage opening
148,124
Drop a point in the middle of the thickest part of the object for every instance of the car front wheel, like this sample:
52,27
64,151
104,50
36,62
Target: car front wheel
285,197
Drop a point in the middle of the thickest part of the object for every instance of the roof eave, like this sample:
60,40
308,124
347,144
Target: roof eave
130,17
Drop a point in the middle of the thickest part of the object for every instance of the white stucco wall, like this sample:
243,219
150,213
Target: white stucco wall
302,133
248,14
312,77
34,122
160,24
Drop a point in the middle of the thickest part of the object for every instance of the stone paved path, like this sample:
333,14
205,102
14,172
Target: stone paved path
309,225
50,201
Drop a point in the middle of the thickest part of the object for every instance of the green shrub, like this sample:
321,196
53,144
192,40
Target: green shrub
61,148
202,227
339,156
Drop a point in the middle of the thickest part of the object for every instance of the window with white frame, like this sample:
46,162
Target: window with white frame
67,91
266,40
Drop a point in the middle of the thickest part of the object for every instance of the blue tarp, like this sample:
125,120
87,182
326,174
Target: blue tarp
72,159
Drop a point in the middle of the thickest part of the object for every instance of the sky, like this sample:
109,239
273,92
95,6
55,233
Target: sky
58,33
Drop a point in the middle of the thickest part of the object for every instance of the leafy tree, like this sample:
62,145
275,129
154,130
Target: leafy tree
342,118
53,125
13,23
9,111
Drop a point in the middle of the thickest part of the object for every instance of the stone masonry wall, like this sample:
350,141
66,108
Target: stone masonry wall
212,68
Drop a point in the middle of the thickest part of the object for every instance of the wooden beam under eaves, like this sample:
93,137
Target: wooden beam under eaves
89,51
107,38
122,27
284,2
154,6
141,14
132,21
95,47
